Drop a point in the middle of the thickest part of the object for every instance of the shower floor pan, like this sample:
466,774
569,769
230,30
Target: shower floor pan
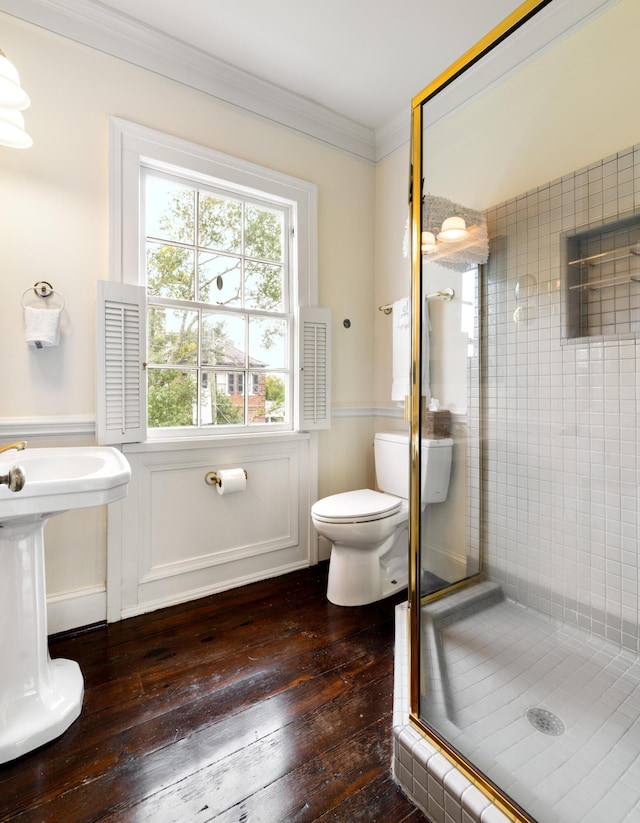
548,712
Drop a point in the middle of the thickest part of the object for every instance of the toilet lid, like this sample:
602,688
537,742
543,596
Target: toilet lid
360,505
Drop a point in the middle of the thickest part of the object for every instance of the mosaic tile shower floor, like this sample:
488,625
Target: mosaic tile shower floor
495,661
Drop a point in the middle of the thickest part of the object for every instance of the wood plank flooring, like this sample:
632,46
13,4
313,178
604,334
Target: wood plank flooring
264,704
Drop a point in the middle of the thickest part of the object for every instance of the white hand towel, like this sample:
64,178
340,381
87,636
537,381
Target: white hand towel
42,326
401,364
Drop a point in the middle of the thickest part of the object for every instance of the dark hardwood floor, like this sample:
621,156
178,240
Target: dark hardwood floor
257,705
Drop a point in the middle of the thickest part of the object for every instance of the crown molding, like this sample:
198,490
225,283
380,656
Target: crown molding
90,23
393,135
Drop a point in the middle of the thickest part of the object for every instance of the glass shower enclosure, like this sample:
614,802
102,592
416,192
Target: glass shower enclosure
524,613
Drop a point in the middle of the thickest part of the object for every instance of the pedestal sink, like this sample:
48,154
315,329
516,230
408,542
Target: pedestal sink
40,697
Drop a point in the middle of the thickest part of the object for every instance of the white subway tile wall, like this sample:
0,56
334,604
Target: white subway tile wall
561,415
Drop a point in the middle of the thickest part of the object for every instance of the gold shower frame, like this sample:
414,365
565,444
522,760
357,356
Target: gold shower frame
510,24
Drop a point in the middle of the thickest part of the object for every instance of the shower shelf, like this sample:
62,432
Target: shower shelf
607,281
606,257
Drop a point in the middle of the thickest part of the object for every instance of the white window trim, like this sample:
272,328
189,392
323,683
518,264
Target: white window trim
132,146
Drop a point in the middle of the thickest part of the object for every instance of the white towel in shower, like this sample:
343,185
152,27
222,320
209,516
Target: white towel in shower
426,352
401,364
42,326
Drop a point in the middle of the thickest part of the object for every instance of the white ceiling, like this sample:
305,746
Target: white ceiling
363,59
340,71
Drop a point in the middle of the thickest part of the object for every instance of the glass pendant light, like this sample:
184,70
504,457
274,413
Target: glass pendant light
12,95
12,131
428,242
13,100
453,228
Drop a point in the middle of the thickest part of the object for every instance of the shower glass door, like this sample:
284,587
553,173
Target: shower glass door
525,580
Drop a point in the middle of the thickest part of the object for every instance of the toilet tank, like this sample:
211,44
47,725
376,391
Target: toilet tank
391,454
436,469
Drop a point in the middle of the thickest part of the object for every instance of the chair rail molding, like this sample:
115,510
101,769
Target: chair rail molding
79,425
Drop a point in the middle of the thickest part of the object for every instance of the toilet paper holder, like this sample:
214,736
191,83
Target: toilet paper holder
212,479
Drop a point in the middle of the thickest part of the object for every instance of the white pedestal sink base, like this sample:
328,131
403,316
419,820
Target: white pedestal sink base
39,697
38,718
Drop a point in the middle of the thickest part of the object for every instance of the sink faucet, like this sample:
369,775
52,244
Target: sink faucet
19,446
14,478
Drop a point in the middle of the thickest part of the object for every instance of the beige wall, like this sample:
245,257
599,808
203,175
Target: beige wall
54,219
392,268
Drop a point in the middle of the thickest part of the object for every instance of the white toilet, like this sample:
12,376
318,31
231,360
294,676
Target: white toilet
369,529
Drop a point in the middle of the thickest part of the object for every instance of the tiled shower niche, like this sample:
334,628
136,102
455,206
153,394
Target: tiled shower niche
602,285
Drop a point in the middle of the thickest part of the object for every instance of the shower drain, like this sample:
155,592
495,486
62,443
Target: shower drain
545,721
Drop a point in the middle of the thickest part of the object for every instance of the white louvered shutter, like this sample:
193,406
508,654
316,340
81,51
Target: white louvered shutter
121,345
315,369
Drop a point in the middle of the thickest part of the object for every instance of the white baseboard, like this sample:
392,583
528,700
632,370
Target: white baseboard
71,610
195,594
84,607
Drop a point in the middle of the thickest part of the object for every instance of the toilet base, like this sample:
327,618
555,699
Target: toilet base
354,579
395,578
358,576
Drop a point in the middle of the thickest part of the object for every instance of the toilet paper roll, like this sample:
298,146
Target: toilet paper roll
232,481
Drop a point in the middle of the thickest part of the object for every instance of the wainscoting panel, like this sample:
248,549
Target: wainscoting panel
182,539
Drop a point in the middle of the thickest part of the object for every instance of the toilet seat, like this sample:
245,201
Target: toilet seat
361,506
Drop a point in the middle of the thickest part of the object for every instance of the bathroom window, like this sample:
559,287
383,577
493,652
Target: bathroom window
207,325
218,281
